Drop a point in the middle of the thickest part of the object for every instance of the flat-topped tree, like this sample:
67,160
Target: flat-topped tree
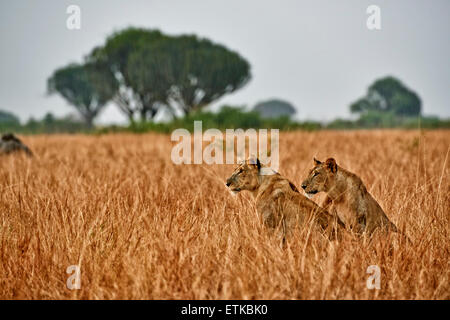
113,57
151,70
185,73
205,72
84,88
388,94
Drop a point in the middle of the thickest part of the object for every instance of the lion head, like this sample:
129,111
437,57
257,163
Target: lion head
245,176
321,177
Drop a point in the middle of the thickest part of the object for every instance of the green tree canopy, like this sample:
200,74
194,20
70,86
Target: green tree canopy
205,72
389,95
113,57
8,118
275,108
183,73
82,87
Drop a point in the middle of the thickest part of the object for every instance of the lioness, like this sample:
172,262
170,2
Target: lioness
278,201
346,195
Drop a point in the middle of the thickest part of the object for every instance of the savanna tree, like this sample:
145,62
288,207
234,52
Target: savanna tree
82,86
152,70
389,95
196,71
113,57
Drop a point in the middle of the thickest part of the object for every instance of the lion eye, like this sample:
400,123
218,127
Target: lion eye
315,174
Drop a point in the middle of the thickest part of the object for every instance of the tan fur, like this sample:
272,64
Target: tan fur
347,197
278,201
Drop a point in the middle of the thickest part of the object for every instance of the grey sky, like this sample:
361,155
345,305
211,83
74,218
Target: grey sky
318,55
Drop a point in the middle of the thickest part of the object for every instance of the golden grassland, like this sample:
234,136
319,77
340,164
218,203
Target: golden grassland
141,227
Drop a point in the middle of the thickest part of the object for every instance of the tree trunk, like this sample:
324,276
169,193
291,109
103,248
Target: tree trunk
89,121
125,108
153,113
143,115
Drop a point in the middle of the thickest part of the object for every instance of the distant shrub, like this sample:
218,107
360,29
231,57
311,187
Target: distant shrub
8,121
426,123
8,118
50,124
375,119
341,124
227,118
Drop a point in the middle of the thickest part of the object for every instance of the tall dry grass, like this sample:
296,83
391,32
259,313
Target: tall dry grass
141,227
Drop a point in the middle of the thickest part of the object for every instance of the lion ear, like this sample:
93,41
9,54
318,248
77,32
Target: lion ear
258,163
317,162
255,161
331,165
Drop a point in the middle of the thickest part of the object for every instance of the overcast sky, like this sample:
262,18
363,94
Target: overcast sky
318,55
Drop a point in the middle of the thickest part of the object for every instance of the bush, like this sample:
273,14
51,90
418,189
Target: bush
48,124
341,124
227,118
377,119
426,123
8,121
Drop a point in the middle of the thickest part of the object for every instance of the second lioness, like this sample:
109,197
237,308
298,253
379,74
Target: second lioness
347,196
278,200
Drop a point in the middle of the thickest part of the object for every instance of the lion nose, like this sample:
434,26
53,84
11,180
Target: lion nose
304,186
228,183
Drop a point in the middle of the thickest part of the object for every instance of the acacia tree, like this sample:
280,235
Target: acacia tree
83,87
388,95
152,70
113,57
212,72
151,75
187,73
